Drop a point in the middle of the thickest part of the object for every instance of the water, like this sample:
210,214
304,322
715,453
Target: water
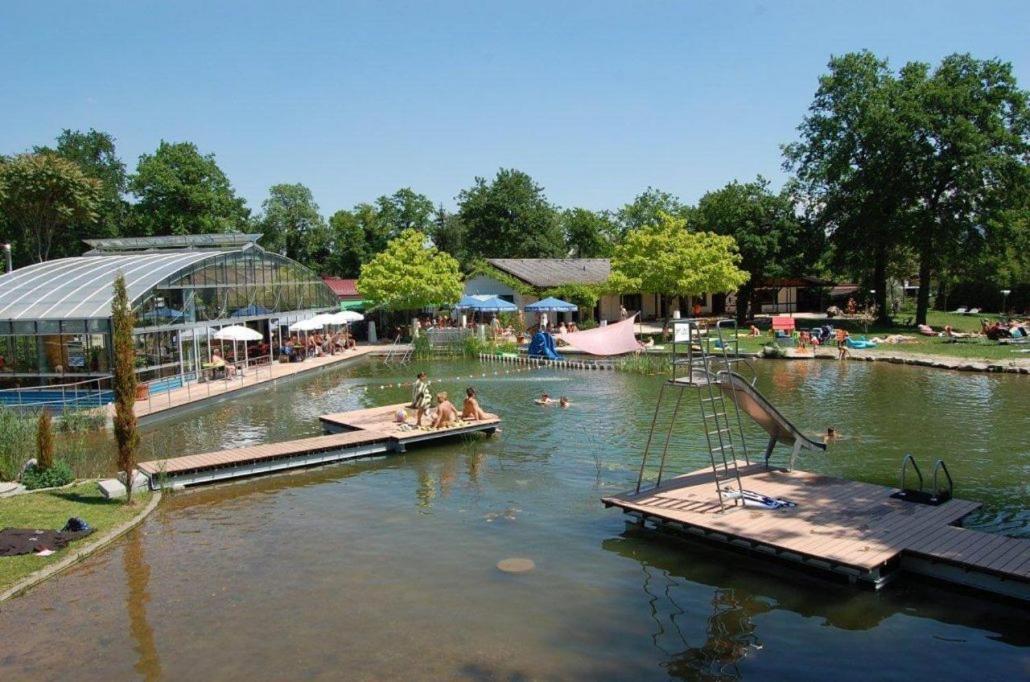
387,569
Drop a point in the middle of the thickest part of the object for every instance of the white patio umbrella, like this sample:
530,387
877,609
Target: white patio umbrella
238,332
308,325
346,317
325,318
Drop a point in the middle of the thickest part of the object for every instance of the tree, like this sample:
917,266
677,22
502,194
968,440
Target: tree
42,197
405,209
292,225
588,234
969,144
124,382
44,441
348,249
850,165
771,239
181,191
666,259
94,152
509,218
448,234
409,275
646,208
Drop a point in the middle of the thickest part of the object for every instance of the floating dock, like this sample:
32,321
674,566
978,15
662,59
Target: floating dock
848,528
350,435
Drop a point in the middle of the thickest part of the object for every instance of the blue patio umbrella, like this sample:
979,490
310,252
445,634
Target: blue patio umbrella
552,305
485,304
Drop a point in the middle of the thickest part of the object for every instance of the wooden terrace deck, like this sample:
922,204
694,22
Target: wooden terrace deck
849,527
197,392
361,433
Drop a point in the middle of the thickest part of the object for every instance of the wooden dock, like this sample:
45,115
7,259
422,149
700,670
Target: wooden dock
850,528
351,435
193,393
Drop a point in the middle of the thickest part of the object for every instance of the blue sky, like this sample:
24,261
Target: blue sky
596,100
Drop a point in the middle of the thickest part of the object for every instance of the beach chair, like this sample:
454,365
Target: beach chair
959,311
973,311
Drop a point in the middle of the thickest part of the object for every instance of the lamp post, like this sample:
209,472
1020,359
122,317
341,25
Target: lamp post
7,253
1004,298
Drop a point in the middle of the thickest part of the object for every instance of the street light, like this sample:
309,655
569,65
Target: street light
7,252
1004,298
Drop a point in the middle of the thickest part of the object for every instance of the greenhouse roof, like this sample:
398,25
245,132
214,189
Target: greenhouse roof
232,240
82,288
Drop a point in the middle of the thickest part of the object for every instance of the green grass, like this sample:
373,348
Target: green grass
51,510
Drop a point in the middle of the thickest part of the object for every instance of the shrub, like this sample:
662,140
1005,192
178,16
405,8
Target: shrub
77,421
421,348
17,441
59,474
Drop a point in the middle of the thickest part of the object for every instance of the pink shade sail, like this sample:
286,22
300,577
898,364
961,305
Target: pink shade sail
614,339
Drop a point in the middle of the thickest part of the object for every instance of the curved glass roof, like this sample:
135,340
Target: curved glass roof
82,287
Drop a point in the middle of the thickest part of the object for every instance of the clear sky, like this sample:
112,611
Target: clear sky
596,100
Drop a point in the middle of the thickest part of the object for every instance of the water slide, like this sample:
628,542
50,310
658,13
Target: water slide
755,405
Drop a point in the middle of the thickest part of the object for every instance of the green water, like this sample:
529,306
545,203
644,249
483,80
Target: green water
387,568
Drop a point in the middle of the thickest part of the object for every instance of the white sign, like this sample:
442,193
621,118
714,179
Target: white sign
681,333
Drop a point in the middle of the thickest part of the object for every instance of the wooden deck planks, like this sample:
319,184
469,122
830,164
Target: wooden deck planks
845,522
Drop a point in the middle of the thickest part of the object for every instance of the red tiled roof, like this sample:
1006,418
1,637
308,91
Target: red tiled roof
343,288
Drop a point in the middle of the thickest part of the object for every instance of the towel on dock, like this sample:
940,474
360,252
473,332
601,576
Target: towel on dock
753,499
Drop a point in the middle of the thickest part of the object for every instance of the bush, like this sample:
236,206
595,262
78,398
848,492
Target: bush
586,323
59,474
80,420
17,441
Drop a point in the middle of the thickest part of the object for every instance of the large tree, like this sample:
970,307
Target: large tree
181,191
42,198
409,275
509,218
292,225
588,234
123,381
916,162
772,240
665,258
647,208
94,152
449,235
969,150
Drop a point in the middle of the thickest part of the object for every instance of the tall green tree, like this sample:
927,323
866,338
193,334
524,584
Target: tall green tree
42,198
509,217
850,165
348,248
772,241
94,152
124,380
647,208
181,191
409,275
667,259
588,234
969,151
292,225
448,234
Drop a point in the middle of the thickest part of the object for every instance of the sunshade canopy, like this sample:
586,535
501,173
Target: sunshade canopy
485,304
552,305
238,332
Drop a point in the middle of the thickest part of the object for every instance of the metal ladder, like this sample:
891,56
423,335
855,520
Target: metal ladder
703,372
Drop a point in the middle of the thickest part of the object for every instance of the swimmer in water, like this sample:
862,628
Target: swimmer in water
544,399
831,435
563,402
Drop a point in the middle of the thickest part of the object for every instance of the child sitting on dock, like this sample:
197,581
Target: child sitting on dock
471,409
446,415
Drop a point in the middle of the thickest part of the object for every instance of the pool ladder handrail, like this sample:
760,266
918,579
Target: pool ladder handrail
940,466
908,458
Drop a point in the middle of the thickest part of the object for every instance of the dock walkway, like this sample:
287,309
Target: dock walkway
351,435
196,392
852,528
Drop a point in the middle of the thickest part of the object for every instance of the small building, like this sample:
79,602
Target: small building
541,274
55,316
799,294
346,291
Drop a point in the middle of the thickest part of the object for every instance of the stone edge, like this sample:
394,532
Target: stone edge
42,574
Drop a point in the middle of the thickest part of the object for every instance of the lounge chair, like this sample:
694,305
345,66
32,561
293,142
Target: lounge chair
959,311
973,311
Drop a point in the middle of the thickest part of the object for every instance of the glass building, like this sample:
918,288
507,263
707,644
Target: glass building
55,317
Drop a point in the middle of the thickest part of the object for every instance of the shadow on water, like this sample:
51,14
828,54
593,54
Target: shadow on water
743,589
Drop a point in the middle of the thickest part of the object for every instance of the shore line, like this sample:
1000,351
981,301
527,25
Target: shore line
1015,366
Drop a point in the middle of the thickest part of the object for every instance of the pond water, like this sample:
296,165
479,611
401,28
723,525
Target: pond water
388,568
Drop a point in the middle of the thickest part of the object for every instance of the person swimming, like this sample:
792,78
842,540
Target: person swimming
563,402
831,435
544,399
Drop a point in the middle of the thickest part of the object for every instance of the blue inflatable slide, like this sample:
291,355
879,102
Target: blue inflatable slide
542,346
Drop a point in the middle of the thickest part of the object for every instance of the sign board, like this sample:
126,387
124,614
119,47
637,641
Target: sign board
681,332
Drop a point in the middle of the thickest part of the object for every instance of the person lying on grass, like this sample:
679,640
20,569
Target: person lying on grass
446,415
470,409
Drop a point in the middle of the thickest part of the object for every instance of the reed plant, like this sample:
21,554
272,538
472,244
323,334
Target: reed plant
17,441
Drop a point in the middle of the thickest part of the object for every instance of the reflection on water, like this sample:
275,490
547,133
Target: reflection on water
137,577
388,568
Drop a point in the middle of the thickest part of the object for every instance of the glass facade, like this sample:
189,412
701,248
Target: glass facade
174,321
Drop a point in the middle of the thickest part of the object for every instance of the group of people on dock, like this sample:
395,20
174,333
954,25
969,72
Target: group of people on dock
445,413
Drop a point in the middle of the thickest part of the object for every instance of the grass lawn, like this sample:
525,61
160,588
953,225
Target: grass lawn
51,510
